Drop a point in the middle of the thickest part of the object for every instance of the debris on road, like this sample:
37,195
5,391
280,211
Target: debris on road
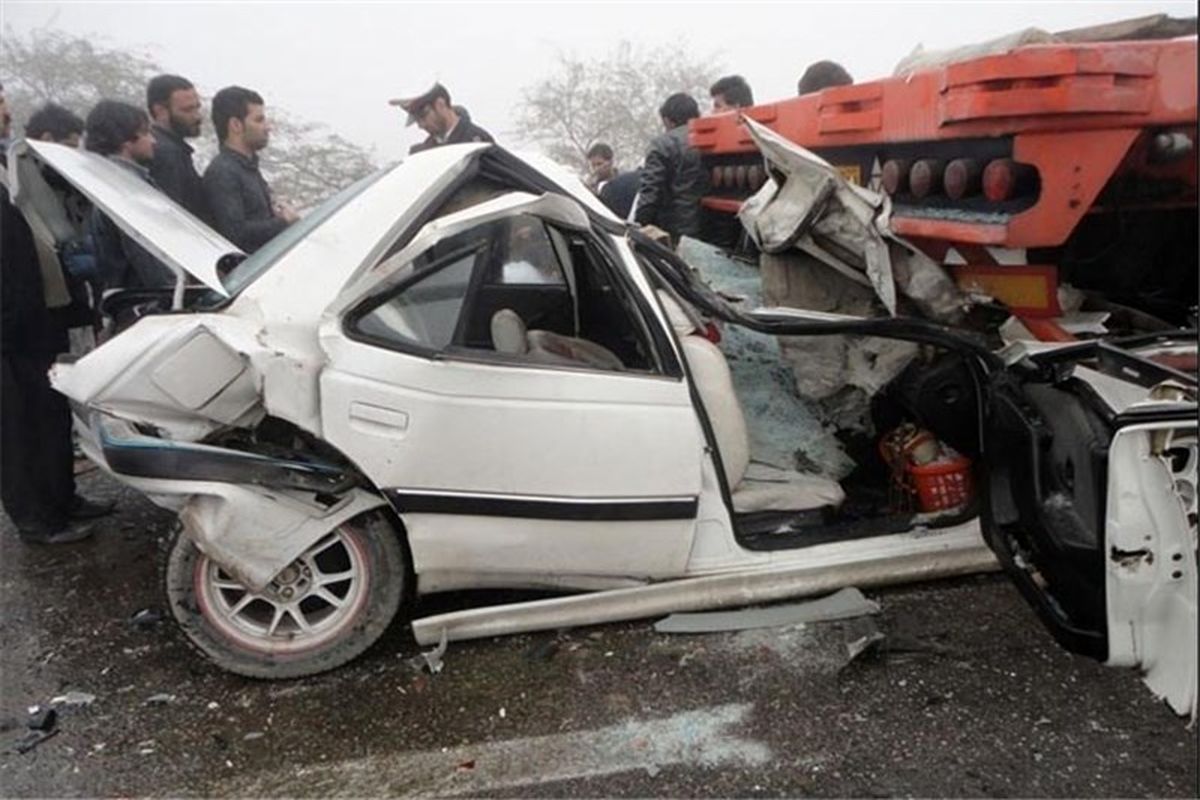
160,699
542,650
43,719
844,604
32,739
40,726
431,659
864,644
145,619
73,699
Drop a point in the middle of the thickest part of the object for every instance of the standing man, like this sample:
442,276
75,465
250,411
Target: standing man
242,209
601,169
37,479
53,123
5,124
122,133
434,114
729,93
822,75
174,108
673,181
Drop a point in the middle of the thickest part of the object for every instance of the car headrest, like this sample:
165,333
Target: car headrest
508,333
678,318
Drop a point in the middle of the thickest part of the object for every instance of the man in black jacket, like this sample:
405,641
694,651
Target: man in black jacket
175,112
673,180
242,208
434,113
37,479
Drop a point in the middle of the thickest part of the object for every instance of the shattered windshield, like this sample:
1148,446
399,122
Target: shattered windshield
255,265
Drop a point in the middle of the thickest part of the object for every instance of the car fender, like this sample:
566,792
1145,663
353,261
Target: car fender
253,532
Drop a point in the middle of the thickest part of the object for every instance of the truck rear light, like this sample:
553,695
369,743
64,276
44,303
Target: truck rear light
895,176
925,177
1004,179
963,178
1171,146
755,177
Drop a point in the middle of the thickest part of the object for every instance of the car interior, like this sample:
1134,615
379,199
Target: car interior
519,290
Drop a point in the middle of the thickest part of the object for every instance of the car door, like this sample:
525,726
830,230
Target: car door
1092,509
515,468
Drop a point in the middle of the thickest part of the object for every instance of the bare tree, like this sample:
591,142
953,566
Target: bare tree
305,162
613,99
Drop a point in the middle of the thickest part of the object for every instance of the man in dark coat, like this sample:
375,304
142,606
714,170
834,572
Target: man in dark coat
176,115
433,112
37,478
619,192
242,208
673,180
121,132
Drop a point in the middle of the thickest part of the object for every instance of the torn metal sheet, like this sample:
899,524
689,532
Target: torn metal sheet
809,206
843,604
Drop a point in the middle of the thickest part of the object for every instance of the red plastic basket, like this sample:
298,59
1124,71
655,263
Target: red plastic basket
942,484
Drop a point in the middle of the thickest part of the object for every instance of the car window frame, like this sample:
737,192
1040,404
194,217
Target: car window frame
665,363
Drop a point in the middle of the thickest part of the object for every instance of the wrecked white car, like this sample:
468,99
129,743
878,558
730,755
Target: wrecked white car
463,373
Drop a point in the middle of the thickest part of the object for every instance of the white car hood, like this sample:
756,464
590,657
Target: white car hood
149,217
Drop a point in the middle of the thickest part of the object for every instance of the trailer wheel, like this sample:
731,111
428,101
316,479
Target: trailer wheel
322,610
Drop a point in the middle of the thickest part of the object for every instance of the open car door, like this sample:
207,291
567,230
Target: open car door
1092,502
503,378
1090,496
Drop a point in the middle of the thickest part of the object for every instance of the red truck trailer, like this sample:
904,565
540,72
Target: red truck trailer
1047,164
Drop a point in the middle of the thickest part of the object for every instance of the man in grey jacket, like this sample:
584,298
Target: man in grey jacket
242,209
673,180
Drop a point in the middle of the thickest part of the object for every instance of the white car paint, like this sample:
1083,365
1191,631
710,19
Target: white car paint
164,228
1151,564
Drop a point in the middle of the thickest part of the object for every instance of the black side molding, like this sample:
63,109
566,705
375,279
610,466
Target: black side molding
528,508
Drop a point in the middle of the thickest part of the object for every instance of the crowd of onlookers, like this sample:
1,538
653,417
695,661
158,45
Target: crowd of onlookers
53,288
51,285
665,190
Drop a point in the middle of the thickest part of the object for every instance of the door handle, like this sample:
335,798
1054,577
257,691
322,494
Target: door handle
378,420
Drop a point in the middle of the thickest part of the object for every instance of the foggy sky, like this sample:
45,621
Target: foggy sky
338,64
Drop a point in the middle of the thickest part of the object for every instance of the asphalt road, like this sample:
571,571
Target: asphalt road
965,696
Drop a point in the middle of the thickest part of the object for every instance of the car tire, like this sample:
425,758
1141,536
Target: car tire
323,610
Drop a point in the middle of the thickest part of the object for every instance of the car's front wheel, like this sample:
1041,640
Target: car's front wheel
322,610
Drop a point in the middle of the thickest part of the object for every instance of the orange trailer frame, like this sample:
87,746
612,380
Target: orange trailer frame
1076,114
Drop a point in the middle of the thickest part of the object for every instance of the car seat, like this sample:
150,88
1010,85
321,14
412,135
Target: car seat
753,486
509,336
